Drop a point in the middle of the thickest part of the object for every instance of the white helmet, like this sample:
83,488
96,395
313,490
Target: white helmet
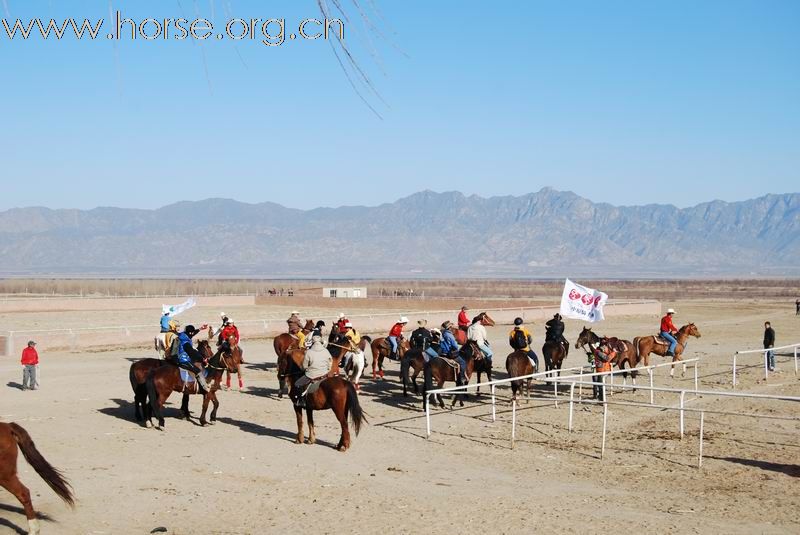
670,311
403,319
295,313
341,315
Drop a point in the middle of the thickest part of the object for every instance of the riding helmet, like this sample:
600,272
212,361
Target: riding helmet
517,321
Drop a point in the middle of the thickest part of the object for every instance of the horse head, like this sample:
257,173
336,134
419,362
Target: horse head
484,318
204,348
691,330
309,326
586,337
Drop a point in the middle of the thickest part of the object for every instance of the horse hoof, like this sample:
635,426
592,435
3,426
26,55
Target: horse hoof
159,428
298,441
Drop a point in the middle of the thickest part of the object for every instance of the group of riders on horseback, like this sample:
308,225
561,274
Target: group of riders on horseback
179,349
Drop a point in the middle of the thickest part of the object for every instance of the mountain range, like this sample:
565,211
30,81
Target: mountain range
544,234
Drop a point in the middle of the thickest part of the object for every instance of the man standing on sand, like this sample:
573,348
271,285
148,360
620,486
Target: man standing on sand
30,360
769,343
797,306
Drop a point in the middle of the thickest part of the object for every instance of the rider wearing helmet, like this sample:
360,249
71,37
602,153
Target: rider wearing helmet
449,348
554,330
188,356
396,334
521,339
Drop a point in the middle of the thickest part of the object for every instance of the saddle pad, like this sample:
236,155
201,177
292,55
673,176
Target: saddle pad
533,362
661,340
186,376
450,362
314,386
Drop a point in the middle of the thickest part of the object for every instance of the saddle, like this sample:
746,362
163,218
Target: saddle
661,340
313,386
616,344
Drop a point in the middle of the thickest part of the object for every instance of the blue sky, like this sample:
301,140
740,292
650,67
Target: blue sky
624,102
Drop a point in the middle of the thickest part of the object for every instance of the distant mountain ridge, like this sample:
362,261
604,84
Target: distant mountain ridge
547,233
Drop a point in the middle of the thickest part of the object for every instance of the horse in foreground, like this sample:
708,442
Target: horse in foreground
518,364
482,365
167,379
138,377
440,370
281,344
332,392
11,437
645,345
554,353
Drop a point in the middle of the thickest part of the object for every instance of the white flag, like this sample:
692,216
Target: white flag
582,303
174,310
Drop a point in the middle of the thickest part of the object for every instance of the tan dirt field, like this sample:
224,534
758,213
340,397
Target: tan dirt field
246,475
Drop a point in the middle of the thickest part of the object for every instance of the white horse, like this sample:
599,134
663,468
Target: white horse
160,344
355,362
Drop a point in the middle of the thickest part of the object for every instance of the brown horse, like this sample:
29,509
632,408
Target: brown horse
281,344
554,353
167,379
517,365
626,351
11,437
234,345
645,345
411,360
334,392
381,349
138,376
439,370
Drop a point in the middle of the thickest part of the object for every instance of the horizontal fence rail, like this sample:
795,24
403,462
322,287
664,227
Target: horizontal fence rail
764,352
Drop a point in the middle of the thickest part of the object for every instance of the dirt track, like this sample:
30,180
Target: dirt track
245,475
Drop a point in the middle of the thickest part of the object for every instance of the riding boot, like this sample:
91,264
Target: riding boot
201,382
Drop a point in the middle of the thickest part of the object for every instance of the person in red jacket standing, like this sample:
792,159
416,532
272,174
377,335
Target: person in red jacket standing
668,332
229,330
30,360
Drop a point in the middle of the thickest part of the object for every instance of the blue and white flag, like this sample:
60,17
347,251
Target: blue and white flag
174,310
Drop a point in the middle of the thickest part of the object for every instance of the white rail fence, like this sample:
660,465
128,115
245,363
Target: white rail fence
577,380
551,376
763,353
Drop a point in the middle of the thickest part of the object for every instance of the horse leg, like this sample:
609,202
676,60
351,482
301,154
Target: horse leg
414,380
530,381
206,399
312,435
215,402
340,410
185,407
380,366
21,492
300,435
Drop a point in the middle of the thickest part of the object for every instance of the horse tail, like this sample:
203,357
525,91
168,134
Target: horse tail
132,376
52,476
368,339
353,408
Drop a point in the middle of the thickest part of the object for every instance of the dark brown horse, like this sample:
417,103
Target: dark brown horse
334,392
11,437
554,353
381,349
626,351
517,365
167,379
281,344
651,344
439,371
411,360
138,376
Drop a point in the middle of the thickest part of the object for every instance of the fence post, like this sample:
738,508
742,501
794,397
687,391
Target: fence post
428,413
513,422
696,379
734,370
571,402
795,360
494,414
766,368
700,458
605,424
650,373
555,389
683,397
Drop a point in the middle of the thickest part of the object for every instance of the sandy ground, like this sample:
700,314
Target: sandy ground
245,474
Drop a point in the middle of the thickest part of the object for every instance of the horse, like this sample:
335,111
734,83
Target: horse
160,344
281,344
164,380
519,364
138,376
412,359
626,351
554,353
483,365
381,349
440,370
334,392
650,344
11,437
234,345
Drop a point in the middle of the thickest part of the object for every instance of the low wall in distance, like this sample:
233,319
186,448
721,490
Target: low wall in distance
141,337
